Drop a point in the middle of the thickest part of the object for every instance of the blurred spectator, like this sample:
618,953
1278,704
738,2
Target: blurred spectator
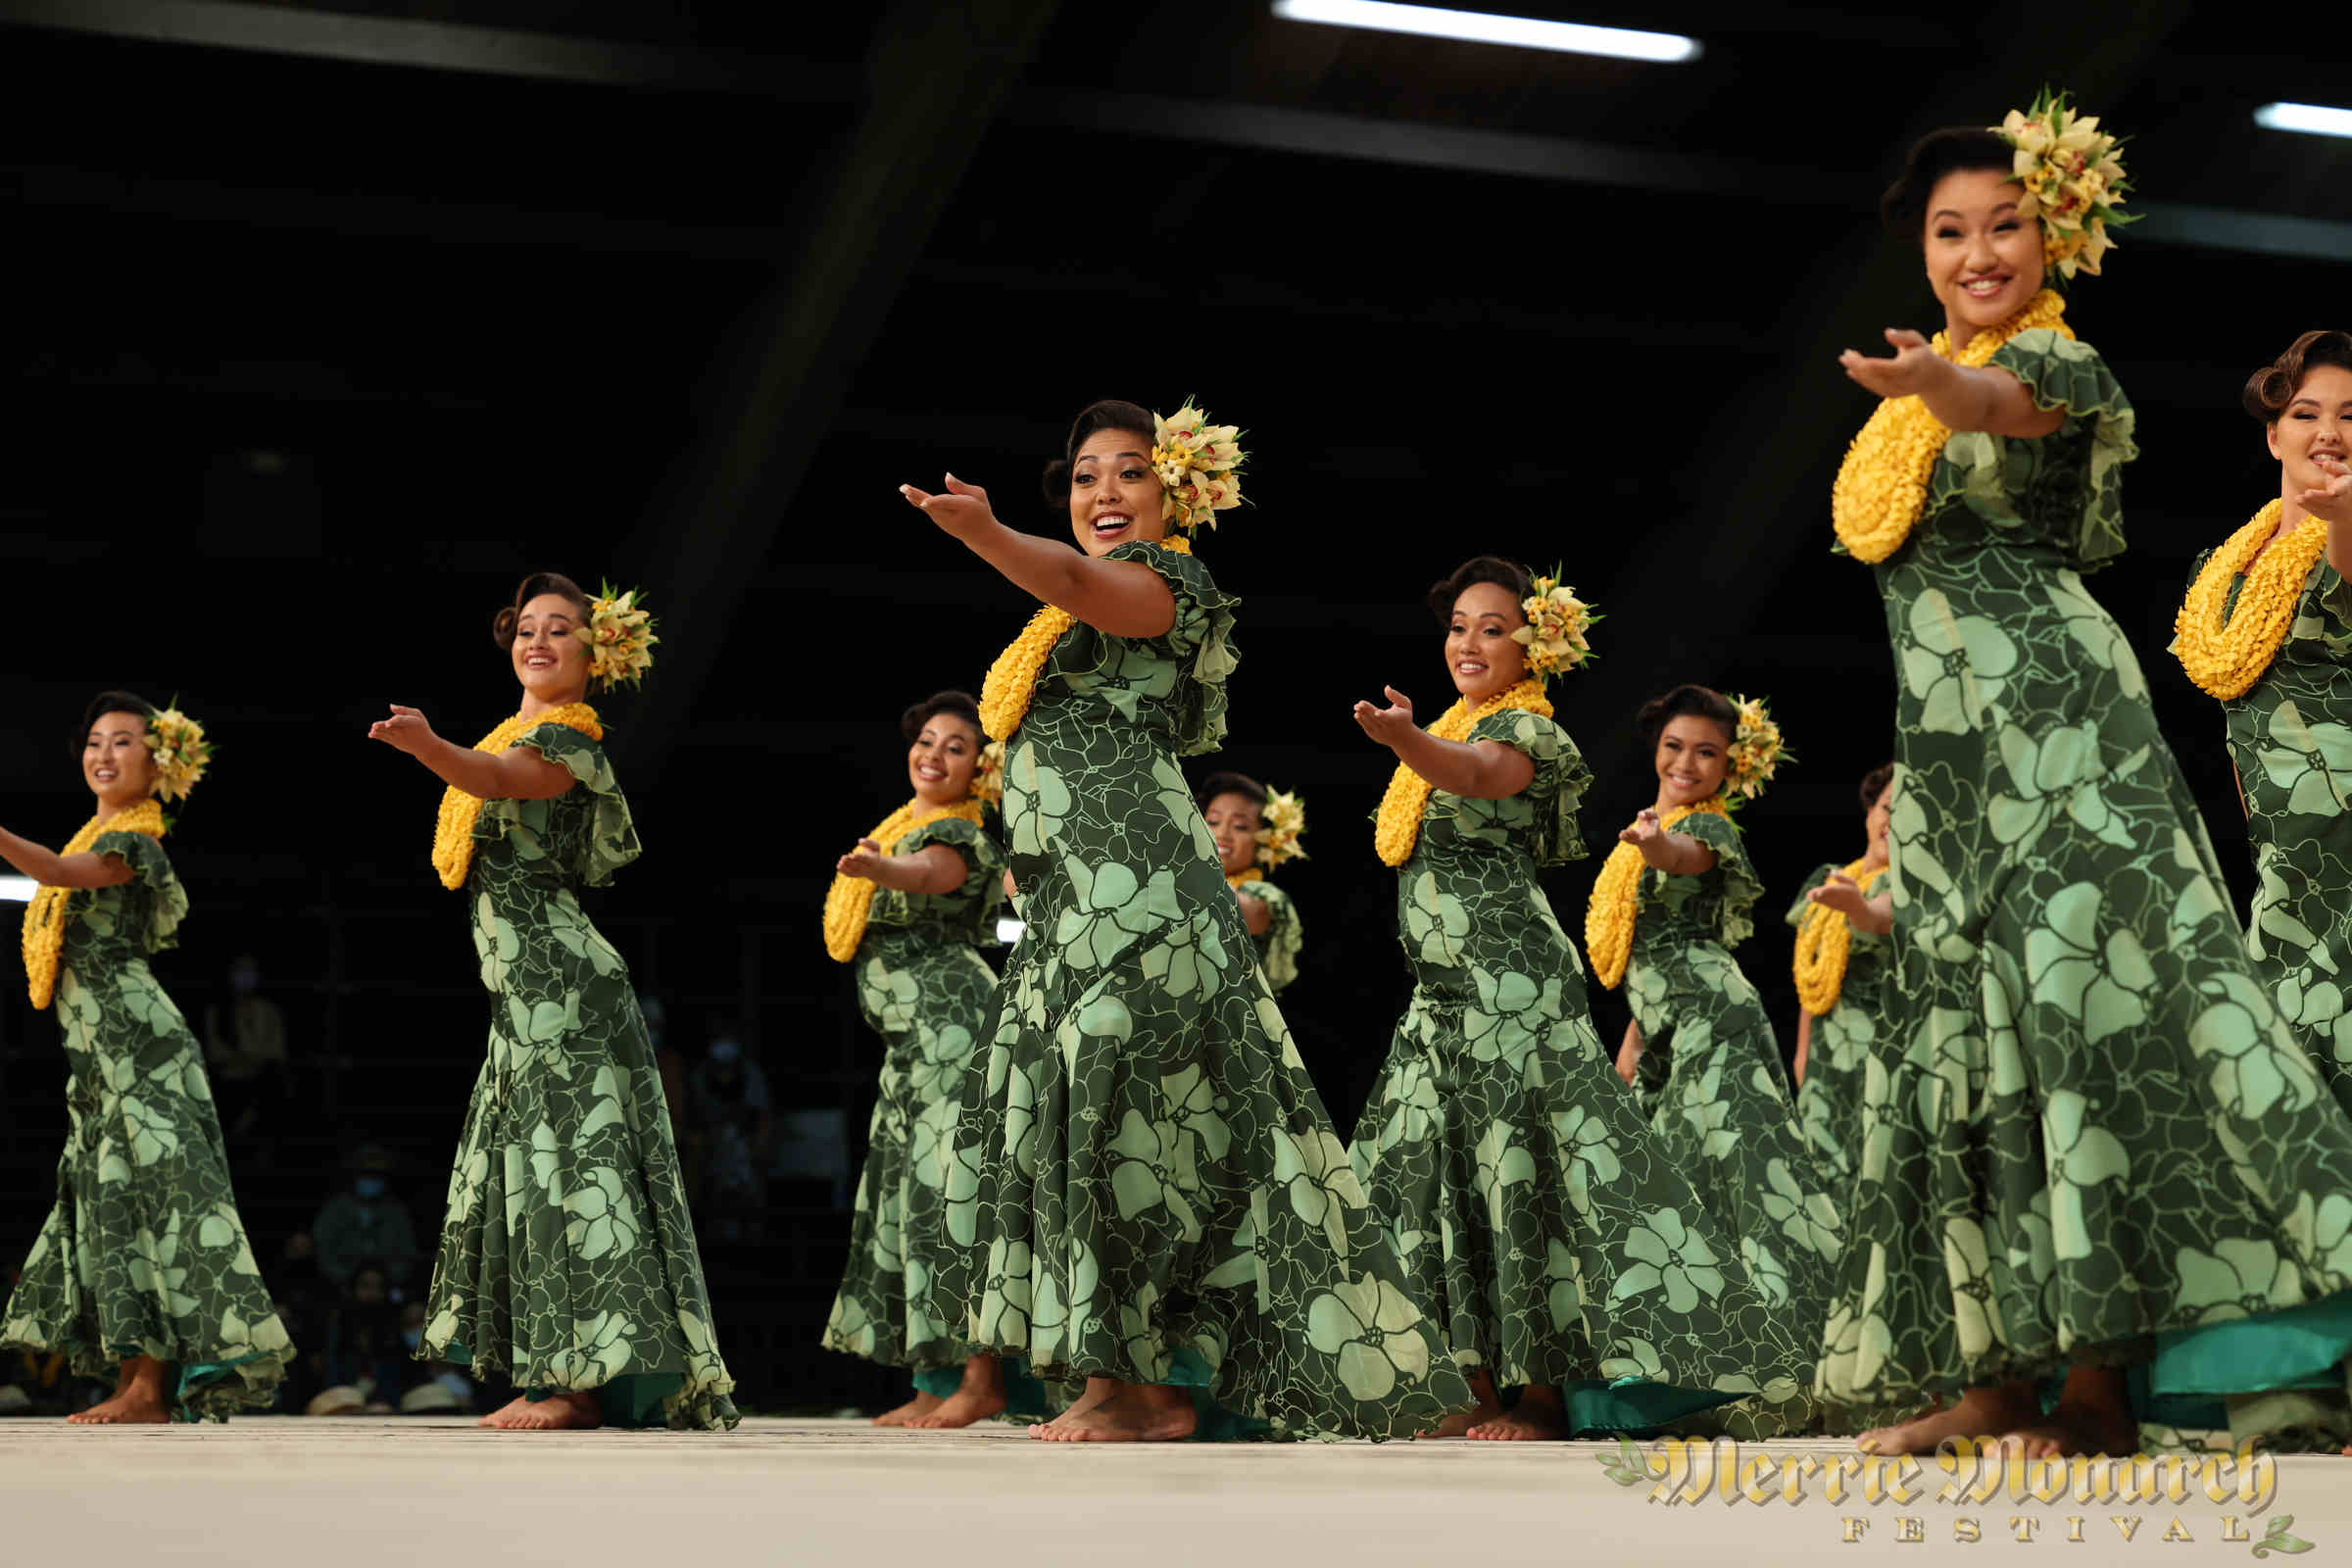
306,1304
245,1056
669,1060
736,1129
364,1345
365,1222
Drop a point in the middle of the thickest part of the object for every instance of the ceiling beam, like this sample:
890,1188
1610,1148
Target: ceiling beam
400,41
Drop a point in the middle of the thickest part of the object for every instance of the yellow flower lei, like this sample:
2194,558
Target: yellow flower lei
1011,683
1254,875
1397,824
2225,653
1617,898
46,916
850,898
453,829
1883,486
1824,943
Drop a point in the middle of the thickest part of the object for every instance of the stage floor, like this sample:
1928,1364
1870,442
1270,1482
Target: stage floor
355,1493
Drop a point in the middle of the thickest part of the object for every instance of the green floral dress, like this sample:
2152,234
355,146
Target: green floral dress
568,1259
143,1253
1828,1102
2089,1124
1711,1079
2291,738
925,990
1540,1222
1147,1187
1278,949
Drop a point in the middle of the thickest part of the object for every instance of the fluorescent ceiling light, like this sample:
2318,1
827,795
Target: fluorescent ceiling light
1479,27
17,889
2316,118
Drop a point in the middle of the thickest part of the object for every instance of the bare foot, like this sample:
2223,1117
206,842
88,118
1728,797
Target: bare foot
1978,1414
1141,1412
981,1396
1489,1406
138,1398
2093,1417
921,1404
1097,1390
558,1413
1536,1418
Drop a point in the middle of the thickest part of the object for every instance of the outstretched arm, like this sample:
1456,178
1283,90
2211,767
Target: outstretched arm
933,869
1844,895
519,774
1488,770
1675,854
54,870
1122,598
2333,502
1963,398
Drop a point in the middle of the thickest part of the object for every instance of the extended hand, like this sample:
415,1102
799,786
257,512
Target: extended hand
2334,499
1646,831
1390,724
407,729
1906,371
960,510
862,861
1842,894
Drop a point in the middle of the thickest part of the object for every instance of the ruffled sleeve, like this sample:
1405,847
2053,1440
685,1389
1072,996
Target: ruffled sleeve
1803,905
611,840
165,900
2086,503
1557,791
974,900
1201,643
1728,894
1285,939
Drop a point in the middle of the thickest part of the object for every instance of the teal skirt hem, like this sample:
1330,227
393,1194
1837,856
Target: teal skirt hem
1024,1395
2301,1348
1595,1408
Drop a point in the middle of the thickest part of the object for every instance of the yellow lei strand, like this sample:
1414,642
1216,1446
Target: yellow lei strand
46,916
1012,682
1397,824
1883,486
1254,875
2226,652
453,830
1617,898
1824,943
850,898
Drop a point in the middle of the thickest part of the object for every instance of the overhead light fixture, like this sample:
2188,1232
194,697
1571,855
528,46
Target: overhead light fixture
17,889
2316,118
1480,26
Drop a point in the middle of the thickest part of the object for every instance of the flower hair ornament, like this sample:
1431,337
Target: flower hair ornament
1200,466
621,639
1556,623
1756,754
1279,842
180,752
2073,179
988,777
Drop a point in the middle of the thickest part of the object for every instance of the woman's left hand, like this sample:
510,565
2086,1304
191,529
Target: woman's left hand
962,511
1842,894
862,861
1902,374
2332,500
1390,724
407,729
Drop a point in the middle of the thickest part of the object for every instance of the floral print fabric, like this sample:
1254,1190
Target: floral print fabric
1540,1222
923,987
1147,1188
1711,1079
1829,1100
2089,1123
143,1253
568,1259
1285,939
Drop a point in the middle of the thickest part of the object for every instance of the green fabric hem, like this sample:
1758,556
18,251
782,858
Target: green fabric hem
639,1400
2299,1347
1593,1407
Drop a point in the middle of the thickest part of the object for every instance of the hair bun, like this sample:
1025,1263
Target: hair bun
1057,482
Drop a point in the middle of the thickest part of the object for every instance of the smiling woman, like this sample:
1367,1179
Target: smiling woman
143,1268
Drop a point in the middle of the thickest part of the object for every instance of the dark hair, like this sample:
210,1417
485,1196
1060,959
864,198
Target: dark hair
1939,153
959,704
1477,570
1704,701
1875,782
1230,783
2272,388
502,624
106,703
1105,414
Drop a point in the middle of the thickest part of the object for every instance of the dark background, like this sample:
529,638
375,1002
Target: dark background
329,321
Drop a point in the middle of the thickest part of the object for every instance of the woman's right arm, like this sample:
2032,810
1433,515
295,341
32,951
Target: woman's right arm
1629,1054
1120,598
1804,1043
519,774
54,870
